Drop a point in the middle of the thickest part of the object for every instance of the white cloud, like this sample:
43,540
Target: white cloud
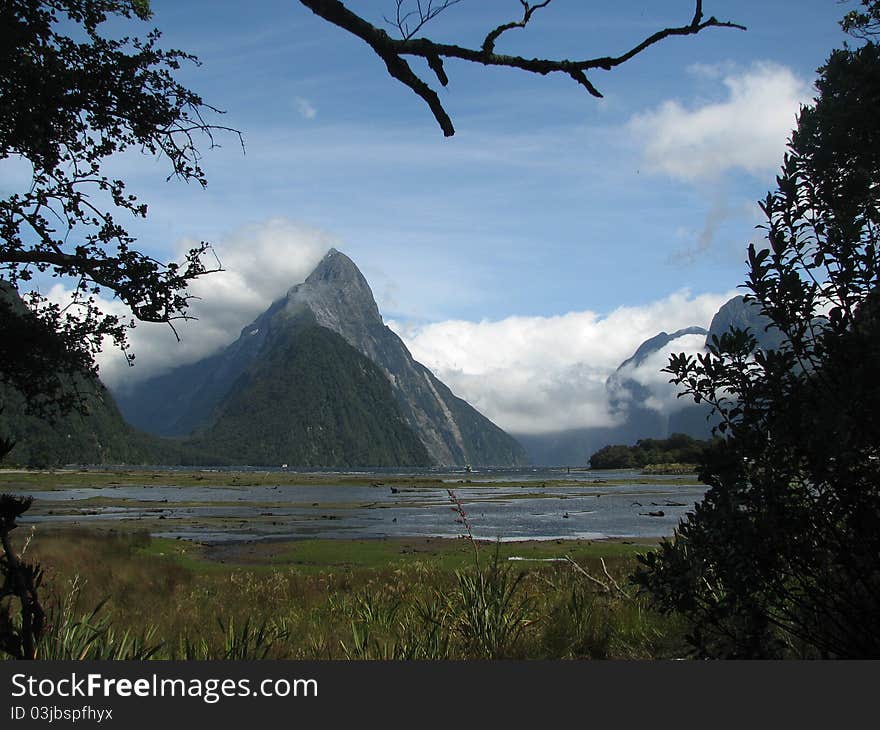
746,131
261,262
662,396
545,374
305,108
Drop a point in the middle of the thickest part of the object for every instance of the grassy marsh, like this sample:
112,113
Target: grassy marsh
114,591
366,599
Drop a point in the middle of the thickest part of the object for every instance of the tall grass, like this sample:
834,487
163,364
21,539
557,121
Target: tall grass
71,634
490,612
112,597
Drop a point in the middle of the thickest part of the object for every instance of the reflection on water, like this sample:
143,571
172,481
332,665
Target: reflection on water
599,504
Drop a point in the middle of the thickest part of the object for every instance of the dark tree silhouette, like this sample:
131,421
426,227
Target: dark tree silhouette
70,98
782,558
20,582
863,23
411,17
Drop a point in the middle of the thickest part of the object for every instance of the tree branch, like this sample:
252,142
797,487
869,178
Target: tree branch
528,10
132,287
392,50
422,15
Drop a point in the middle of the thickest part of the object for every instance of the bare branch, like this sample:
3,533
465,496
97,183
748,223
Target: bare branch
401,70
436,64
422,15
392,50
613,582
528,10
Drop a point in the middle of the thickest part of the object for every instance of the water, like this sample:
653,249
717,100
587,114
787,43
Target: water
595,505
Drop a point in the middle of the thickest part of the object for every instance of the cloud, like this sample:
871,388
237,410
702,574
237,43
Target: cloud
305,108
546,374
261,262
745,131
721,211
659,395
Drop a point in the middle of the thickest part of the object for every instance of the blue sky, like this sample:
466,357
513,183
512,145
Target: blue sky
541,204
547,208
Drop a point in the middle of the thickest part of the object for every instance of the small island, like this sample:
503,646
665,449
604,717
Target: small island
674,455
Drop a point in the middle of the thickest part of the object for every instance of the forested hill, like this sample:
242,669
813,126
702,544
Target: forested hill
677,449
96,435
312,400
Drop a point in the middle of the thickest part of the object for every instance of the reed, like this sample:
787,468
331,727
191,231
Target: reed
98,589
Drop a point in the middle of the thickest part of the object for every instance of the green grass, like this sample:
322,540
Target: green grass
339,599
112,591
315,556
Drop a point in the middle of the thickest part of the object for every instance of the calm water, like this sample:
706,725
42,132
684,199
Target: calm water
592,508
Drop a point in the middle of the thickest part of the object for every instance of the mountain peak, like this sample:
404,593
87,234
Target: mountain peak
656,343
336,267
741,314
337,293
337,298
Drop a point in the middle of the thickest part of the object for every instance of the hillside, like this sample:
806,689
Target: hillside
311,400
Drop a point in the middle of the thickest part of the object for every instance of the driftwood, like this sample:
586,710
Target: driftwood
605,586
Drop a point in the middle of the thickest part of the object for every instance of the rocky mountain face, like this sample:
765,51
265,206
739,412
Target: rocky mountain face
335,298
741,315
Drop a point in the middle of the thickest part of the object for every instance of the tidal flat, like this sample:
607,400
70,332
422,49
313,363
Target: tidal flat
203,564
124,476
217,506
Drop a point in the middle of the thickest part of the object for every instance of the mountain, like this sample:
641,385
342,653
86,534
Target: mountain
635,386
97,435
643,400
743,315
312,400
625,391
93,434
215,397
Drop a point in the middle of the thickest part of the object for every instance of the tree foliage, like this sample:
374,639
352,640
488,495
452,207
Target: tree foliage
782,558
679,448
71,98
864,23
411,17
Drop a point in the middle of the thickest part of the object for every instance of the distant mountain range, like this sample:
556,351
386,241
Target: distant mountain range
319,380
641,414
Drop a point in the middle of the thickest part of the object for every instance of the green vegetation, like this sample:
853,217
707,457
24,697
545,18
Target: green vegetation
678,449
341,599
671,468
95,433
781,557
312,400
72,99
